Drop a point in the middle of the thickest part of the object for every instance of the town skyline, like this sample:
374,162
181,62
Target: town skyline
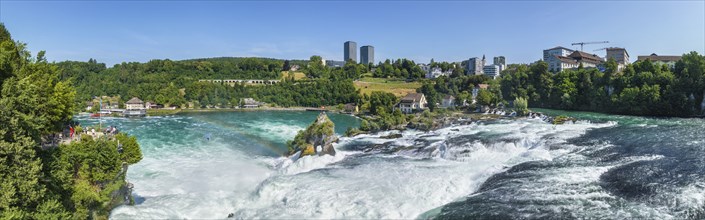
520,32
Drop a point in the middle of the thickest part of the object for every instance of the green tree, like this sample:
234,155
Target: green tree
131,152
316,68
521,106
485,98
381,102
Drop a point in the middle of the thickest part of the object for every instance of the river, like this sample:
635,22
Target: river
603,166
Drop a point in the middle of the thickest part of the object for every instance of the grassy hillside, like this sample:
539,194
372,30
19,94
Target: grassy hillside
297,75
395,86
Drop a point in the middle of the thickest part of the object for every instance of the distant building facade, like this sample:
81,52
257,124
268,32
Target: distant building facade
135,107
250,103
436,72
475,66
500,60
134,103
350,51
586,59
412,102
424,67
477,89
660,60
620,55
367,54
491,70
549,56
335,63
448,101
573,60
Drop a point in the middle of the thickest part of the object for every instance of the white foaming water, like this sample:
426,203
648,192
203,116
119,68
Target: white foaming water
191,182
381,186
198,181
274,130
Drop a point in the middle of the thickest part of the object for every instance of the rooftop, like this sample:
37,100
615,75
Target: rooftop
566,59
559,47
412,97
582,56
618,48
134,100
654,57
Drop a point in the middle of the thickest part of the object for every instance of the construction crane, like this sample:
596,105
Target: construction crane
583,43
602,49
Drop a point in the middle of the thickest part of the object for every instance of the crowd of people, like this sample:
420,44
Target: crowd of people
71,132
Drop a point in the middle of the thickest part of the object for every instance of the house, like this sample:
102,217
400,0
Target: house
412,102
438,72
152,105
424,67
294,67
250,103
134,103
351,108
660,60
448,101
135,107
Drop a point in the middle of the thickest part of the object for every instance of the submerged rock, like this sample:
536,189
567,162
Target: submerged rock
317,139
562,119
392,136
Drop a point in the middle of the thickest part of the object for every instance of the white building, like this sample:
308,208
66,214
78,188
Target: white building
492,70
135,107
660,60
549,56
413,102
436,72
424,67
250,103
574,60
134,104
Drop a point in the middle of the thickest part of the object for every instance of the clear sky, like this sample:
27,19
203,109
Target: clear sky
118,31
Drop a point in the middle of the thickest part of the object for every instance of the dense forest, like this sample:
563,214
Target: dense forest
642,88
400,68
72,181
176,82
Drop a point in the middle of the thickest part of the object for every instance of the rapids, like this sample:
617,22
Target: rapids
602,166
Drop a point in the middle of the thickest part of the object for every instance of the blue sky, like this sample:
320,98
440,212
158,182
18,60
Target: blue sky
118,31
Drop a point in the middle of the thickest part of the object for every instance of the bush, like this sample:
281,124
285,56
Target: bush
131,152
521,106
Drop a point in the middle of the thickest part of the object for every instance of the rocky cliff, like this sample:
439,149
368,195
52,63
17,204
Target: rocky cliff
317,139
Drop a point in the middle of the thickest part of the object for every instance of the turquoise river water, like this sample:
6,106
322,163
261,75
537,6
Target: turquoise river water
602,166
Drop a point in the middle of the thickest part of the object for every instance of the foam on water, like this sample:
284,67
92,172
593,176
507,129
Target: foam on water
187,177
191,183
389,186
